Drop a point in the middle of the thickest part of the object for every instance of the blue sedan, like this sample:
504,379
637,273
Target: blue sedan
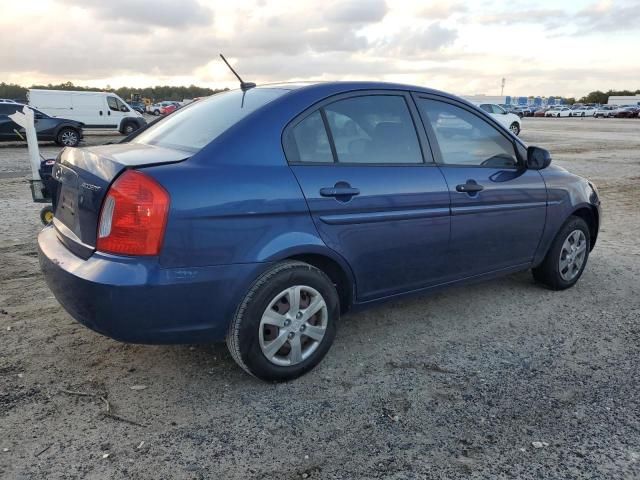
261,215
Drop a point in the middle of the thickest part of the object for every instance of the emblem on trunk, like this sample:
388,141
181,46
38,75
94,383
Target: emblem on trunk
89,186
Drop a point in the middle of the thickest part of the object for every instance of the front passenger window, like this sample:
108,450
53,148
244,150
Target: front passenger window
113,104
466,139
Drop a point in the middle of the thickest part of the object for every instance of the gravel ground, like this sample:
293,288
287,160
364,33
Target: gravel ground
460,384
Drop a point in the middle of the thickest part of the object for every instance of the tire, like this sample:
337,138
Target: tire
258,322
46,215
128,128
156,112
68,137
515,128
549,272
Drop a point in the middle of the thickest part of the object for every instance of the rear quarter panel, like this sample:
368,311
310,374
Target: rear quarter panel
224,214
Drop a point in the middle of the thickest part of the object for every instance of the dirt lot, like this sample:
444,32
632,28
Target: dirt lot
454,385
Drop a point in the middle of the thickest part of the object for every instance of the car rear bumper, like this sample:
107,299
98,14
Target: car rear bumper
135,300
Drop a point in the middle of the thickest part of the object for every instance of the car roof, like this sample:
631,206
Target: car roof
347,86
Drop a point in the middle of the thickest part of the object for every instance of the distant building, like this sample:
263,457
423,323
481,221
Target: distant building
496,99
624,100
515,101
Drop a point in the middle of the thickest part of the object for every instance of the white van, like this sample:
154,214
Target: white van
102,111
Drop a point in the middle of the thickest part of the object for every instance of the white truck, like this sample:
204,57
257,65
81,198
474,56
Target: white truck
101,111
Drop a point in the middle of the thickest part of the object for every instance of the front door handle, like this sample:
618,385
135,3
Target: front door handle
341,191
100,112
470,187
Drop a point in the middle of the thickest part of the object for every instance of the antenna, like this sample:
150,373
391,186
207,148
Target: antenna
243,85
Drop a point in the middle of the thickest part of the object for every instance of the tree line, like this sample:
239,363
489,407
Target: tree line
157,93
168,92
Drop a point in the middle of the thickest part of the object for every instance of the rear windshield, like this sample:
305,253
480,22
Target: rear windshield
198,124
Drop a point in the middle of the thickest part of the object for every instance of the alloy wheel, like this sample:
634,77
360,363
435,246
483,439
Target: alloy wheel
293,325
572,255
69,138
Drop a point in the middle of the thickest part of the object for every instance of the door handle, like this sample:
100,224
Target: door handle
109,112
100,112
341,191
470,187
337,192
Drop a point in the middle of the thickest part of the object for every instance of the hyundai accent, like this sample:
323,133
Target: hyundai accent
261,215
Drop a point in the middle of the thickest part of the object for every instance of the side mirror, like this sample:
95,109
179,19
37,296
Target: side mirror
538,158
124,109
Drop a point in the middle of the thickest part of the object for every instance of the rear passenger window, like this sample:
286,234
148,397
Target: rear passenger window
373,129
465,138
311,141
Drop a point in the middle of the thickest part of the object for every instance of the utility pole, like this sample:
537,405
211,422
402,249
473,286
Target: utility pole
504,80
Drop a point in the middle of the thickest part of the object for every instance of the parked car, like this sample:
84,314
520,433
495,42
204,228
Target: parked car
158,108
605,111
137,106
541,112
293,204
7,100
98,111
167,109
64,132
507,119
527,111
625,112
584,111
558,112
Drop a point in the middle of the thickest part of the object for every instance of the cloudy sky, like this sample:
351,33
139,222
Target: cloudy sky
542,47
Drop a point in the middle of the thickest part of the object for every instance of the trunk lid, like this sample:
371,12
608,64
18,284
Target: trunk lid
84,176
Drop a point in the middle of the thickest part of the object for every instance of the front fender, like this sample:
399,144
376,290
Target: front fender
567,194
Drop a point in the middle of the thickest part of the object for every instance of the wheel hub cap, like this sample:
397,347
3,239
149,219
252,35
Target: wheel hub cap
293,325
572,255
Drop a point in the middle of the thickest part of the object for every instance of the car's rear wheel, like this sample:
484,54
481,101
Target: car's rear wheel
515,128
68,137
286,322
567,258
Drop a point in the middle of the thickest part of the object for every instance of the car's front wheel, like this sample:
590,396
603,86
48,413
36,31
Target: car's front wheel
68,137
567,258
129,128
515,128
286,322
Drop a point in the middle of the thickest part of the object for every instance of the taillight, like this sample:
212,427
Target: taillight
133,216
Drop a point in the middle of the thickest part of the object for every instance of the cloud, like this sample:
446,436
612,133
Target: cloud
159,13
442,10
455,46
418,41
605,17
356,11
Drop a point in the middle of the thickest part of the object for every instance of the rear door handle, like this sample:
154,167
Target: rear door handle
470,187
341,191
